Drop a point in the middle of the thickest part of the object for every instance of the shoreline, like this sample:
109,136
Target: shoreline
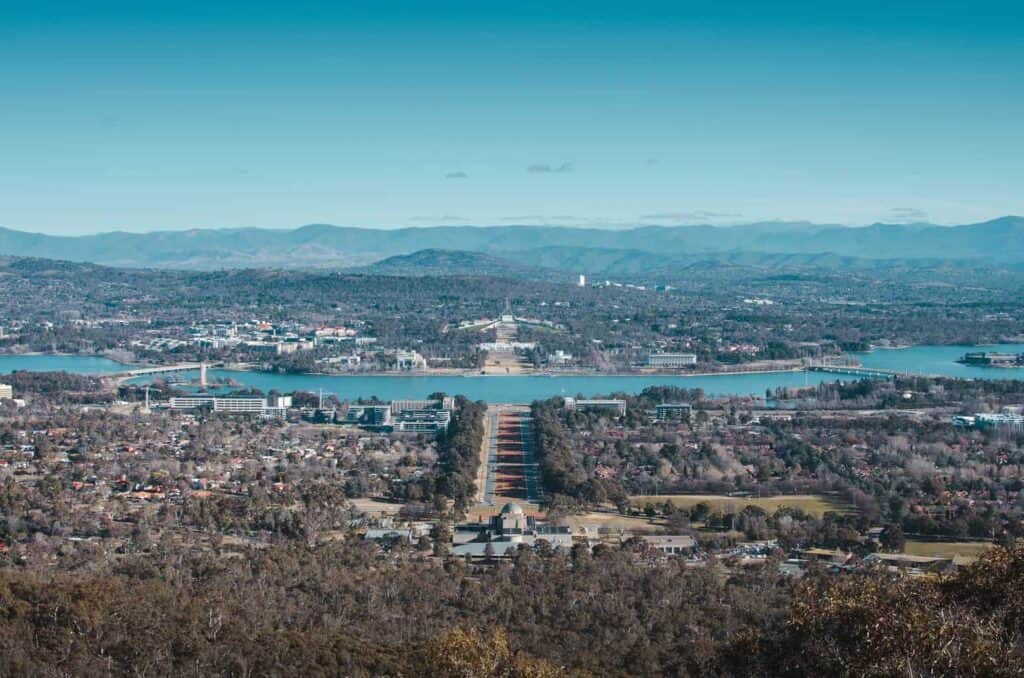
539,375
63,354
475,373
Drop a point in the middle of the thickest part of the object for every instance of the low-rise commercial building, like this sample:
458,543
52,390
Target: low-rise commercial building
422,421
610,405
671,360
667,411
992,359
399,406
559,357
671,544
219,404
405,416
1003,421
410,360
275,407
368,416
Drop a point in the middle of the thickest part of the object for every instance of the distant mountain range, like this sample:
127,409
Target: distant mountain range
564,263
516,249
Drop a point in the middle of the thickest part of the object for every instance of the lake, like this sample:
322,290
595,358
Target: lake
938,360
76,364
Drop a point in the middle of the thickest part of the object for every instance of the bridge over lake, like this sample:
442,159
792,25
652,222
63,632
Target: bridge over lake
856,371
163,369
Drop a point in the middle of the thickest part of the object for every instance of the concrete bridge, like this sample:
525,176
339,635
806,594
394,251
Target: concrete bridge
164,369
857,371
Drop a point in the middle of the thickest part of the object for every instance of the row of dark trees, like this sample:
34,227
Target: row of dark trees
458,452
458,460
567,482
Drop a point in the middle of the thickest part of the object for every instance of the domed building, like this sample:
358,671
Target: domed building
512,522
505,532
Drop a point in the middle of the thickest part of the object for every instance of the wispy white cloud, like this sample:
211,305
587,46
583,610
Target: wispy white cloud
545,168
906,215
691,216
444,218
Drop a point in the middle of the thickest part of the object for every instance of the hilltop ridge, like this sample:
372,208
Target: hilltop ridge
326,246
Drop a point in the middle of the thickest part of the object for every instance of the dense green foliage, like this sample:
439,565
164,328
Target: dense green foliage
459,453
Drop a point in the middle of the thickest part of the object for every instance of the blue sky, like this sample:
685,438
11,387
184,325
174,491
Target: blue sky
145,116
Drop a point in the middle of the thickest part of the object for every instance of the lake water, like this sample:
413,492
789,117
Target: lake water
941,360
938,360
75,364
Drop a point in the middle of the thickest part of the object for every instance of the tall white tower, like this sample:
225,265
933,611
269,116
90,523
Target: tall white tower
583,281
202,375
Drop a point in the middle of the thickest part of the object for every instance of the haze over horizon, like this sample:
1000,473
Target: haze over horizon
765,223
178,115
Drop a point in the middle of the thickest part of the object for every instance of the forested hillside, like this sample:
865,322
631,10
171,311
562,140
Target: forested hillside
338,610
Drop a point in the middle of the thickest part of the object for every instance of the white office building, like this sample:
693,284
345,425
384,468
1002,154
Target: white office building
410,360
422,421
671,360
399,406
276,407
672,411
613,405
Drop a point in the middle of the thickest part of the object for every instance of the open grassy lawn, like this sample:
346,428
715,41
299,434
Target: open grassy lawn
613,522
813,504
941,549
